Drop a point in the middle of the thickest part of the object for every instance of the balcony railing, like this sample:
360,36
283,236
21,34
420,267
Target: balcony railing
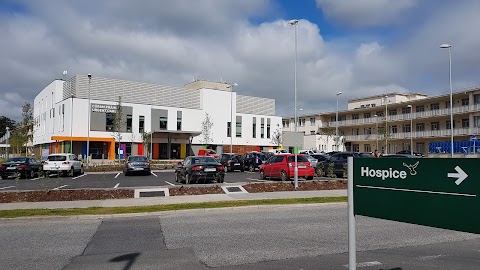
415,135
405,116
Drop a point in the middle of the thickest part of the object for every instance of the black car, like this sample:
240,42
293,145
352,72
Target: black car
199,168
253,160
338,160
400,156
408,152
320,157
232,162
137,164
23,167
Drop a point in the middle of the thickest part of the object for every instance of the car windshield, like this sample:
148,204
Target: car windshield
203,160
299,159
57,158
212,152
137,158
18,159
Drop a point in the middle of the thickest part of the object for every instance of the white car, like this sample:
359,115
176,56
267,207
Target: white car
63,164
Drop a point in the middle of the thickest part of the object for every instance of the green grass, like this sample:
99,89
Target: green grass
160,208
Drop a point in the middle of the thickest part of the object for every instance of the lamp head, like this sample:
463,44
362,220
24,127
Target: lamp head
339,93
293,22
409,106
445,46
89,75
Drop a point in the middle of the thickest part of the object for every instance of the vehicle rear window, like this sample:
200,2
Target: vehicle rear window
204,160
137,158
299,159
17,160
57,158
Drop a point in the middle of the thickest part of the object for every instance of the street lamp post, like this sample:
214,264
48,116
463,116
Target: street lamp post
231,115
449,47
8,141
386,124
411,130
295,149
71,126
376,130
88,120
336,123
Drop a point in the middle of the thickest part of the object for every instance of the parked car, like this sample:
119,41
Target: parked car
283,166
408,152
321,157
137,164
208,152
63,164
199,168
307,152
278,151
23,167
253,160
232,162
400,156
313,161
338,160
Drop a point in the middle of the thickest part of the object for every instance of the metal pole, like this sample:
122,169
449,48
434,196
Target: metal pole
88,121
71,128
336,125
411,135
451,97
8,141
231,120
386,124
151,145
376,129
295,149
352,256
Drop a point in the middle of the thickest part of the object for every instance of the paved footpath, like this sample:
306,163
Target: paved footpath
173,199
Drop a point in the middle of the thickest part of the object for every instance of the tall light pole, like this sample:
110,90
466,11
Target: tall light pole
376,130
411,130
386,124
336,123
88,119
231,115
8,141
449,47
295,149
71,126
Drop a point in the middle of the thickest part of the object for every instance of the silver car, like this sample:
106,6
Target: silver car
313,161
137,164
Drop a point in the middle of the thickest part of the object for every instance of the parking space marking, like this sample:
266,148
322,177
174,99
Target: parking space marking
154,174
169,183
116,186
365,264
36,178
73,178
116,175
7,187
57,188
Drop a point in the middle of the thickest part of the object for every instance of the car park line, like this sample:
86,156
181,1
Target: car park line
116,175
169,183
57,188
78,176
36,178
154,174
116,186
7,187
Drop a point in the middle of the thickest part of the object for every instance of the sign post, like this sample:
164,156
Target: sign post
474,139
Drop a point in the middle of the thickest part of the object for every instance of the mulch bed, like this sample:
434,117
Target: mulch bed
97,194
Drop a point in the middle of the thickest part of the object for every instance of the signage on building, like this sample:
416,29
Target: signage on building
104,108
442,193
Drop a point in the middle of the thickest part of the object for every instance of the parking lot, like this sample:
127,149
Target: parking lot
115,180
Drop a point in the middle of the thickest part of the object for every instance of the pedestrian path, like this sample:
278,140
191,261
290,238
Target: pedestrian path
173,200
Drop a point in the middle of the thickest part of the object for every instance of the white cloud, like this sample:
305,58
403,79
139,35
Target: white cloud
360,13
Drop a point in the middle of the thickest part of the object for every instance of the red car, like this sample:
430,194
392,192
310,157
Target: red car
283,165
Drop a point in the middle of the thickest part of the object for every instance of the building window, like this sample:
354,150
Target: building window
368,131
392,112
179,120
447,104
141,124
366,115
129,123
420,147
238,131
476,121
420,108
449,126
268,128
163,122
312,121
435,106
465,101
379,114
420,127
355,131
407,128
301,122
262,128
435,126
110,117
356,147
355,116
367,148
254,127
465,123
285,123
406,110
476,99
229,129
393,129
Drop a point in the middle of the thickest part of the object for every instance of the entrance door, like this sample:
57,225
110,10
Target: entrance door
175,151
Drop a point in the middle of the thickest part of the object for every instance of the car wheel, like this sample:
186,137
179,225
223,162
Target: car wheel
188,179
125,173
242,169
82,170
251,168
221,178
4,177
176,177
262,175
31,174
284,176
72,172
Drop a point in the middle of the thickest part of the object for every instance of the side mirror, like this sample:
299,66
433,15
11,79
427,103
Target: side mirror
180,163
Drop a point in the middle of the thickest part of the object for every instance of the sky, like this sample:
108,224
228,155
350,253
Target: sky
357,47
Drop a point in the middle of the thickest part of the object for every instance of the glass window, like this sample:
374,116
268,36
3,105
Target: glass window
476,99
420,108
163,122
110,117
254,127
355,131
379,114
368,131
300,158
465,123
285,123
449,124
179,120
435,125
407,128
312,121
465,101
435,106
238,130
393,129
367,148
262,128
268,128
141,124
129,123
229,129
366,115
420,127
447,104
356,147
406,110
355,116
476,121
392,112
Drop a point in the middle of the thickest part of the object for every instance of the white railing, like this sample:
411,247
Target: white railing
415,135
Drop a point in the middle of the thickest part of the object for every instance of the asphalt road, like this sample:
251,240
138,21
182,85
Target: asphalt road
116,180
275,237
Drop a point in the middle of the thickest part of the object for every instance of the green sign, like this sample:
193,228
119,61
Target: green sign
442,193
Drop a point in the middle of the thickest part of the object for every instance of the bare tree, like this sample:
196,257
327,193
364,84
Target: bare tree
207,125
277,137
118,125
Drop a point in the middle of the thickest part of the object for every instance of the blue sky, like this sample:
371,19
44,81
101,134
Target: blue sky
359,47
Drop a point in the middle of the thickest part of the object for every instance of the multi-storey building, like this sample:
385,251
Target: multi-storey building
400,121
164,121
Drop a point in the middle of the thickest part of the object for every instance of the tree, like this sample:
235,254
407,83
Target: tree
277,137
118,124
207,125
146,137
27,124
4,123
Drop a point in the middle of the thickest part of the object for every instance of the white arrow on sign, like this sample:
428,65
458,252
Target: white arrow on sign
461,175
